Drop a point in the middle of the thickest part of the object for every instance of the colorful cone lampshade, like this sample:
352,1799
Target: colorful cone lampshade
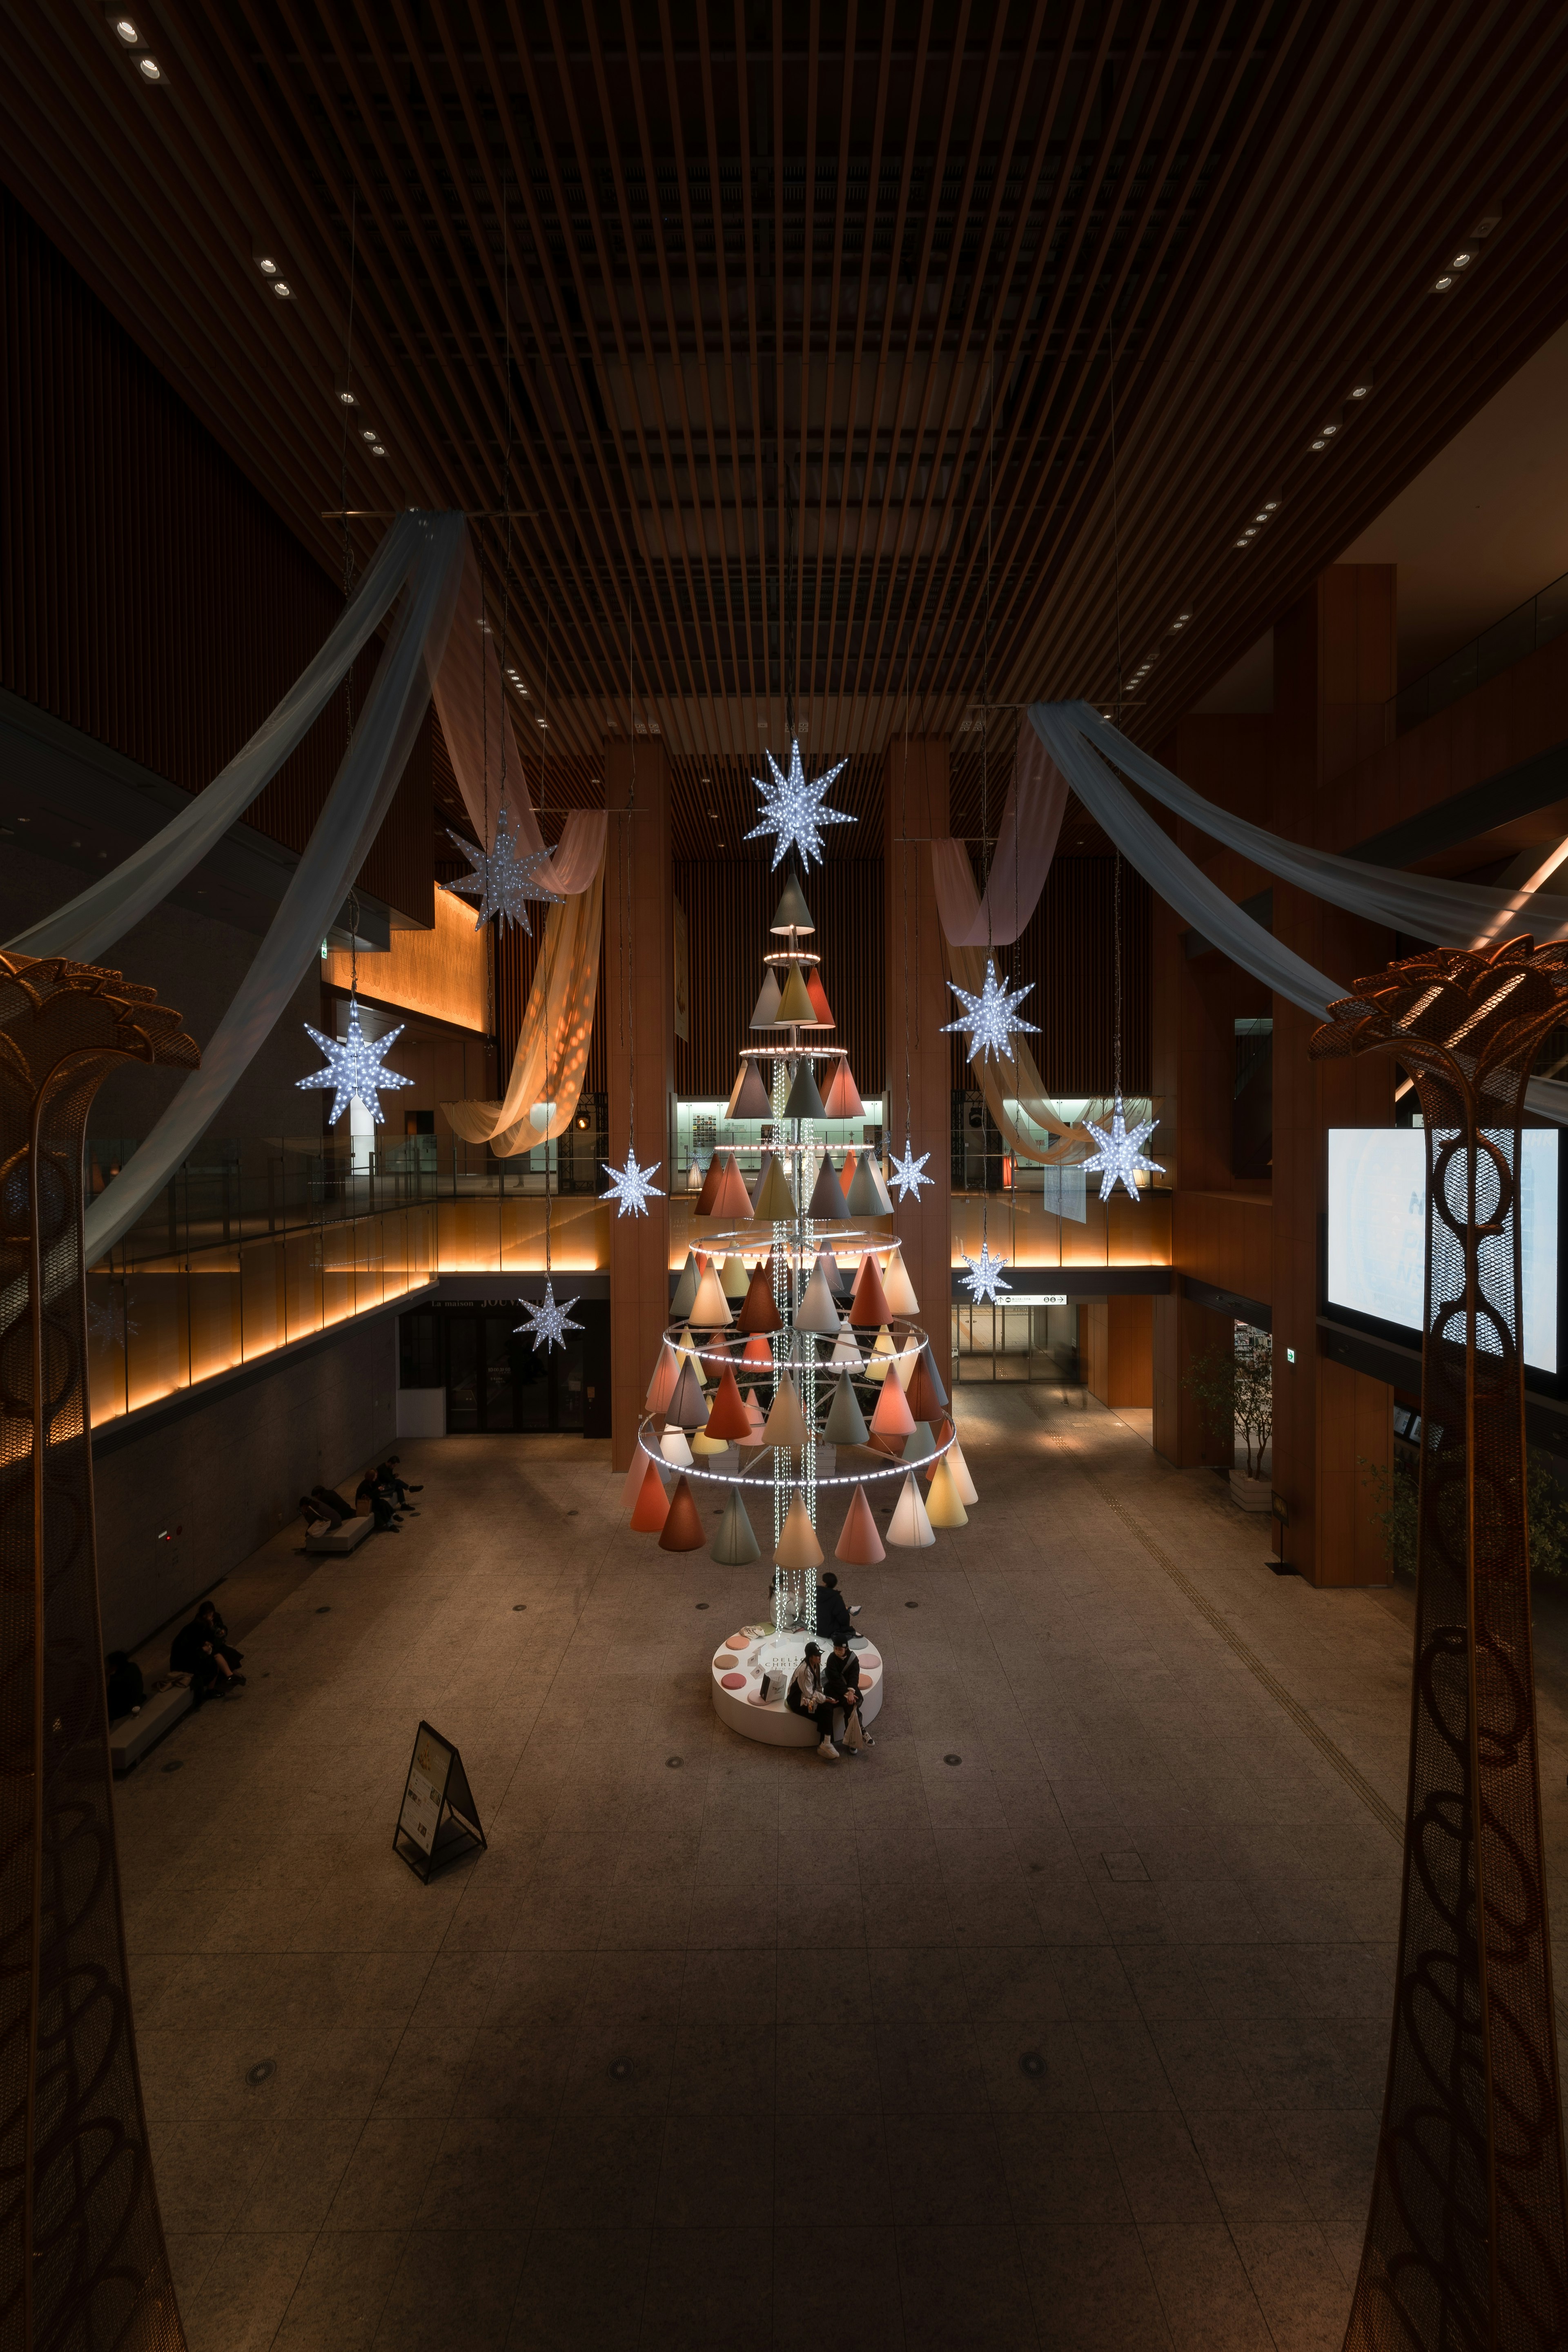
909,1527
859,1275
636,1471
732,1199
829,1266
920,1444
860,1545
682,1529
842,1099
750,1098
702,1444
735,1545
735,1277
846,1173
845,1348
899,1289
757,1351
959,1470
711,1308
703,1204
892,1417
944,1505
870,1306
661,1388
846,1422
798,1545
904,1363
727,1419
933,1376
755,1418
775,1200
795,1000
758,1312
818,995
864,1196
816,1312
765,1012
827,1200
882,1353
785,1424
652,1507
675,1449
927,1397
792,913
687,1407
803,1101
685,1289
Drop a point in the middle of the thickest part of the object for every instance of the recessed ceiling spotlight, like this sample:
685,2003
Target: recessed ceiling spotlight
1463,260
1319,444
282,290
1241,543
149,69
1181,618
1328,430
1250,532
1442,285
347,398
125,27
1270,505
378,451
368,433
1262,515
268,266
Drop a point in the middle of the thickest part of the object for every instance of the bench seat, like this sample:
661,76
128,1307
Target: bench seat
347,1537
131,1735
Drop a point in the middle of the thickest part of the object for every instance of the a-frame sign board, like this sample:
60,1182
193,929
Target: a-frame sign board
439,1819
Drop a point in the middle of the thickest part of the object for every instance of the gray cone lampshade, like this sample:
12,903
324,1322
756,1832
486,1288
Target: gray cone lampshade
765,1012
750,1098
685,1289
735,1545
805,1102
816,1312
846,1423
687,1407
827,1201
865,1199
792,913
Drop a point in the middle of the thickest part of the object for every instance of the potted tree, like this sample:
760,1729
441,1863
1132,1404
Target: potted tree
1234,1391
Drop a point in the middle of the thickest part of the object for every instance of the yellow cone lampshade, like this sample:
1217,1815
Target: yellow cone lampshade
785,1424
702,1444
909,1527
944,1505
795,1000
735,1277
775,1200
798,1545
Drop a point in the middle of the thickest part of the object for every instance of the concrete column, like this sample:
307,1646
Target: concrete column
638,1013
915,801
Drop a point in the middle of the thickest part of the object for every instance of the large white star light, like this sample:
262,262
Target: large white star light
354,1067
631,1187
907,1173
1121,1156
793,810
984,1275
502,881
548,1323
991,1017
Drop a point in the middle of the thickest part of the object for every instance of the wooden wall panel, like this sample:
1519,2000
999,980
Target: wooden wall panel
1119,1351
149,596
1065,953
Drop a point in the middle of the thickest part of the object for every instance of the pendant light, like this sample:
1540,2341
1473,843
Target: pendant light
842,1099
758,1311
798,1545
661,1388
846,1423
765,1012
785,1424
803,1101
859,1545
774,1200
827,1202
727,1416
892,1417
685,1289
816,1312
959,1470
869,1305
794,1001
944,1505
682,1529
675,1449
711,1308
909,1527
687,1407
652,1504
735,1545
898,1290
735,1277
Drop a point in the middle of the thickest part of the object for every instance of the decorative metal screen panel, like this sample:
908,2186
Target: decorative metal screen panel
82,2261
1467,2241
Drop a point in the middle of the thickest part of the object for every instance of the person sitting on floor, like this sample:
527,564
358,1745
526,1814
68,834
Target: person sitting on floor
805,1696
194,1652
841,1686
368,1495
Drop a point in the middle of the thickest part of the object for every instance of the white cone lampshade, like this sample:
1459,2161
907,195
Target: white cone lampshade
735,1545
765,1012
785,1424
817,1312
710,1306
909,1527
944,1505
846,1422
674,1447
846,1348
958,1469
685,1289
899,1289
798,1545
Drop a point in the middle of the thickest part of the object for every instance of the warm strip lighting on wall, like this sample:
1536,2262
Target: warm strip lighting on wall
439,973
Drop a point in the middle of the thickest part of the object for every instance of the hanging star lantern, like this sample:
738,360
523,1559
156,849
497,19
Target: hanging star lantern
907,1173
984,1275
548,1322
1120,1158
793,810
631,1187
991,1017
354,1067
502,881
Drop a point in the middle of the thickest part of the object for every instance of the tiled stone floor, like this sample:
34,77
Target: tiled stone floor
1142,1874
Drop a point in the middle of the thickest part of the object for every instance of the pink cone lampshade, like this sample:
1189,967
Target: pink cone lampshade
859,1545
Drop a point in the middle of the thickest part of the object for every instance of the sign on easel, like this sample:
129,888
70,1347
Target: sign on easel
439,1819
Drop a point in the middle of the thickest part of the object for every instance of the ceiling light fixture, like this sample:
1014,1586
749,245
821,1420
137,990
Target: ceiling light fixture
266,266
1442,284
1242,542
284,292
149,69
378,451
346,397
1463,260
126,32
368,433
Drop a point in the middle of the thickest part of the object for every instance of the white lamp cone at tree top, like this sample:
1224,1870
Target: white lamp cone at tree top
899,1289
710,1306
674,1447
909,1527
685,1289
798,1545
817,1312
735,1545
944,1503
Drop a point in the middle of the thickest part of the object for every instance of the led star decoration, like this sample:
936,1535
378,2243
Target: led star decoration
905,1173
631,1187
548,1323
354,1067
503,882
984,1275
991,1017
1121,1155
793,810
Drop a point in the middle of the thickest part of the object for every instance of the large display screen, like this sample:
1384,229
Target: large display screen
1377,1233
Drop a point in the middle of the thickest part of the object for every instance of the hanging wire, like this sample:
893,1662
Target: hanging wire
1116,949
1115,515
347,405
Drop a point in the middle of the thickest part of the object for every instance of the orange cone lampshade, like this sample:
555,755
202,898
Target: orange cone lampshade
757,1351
758,1312
859,1544
798,1545
652,1509
727,1416
732,1199
682,1529
703,1204
869,1304
925,1392
792,913
892,1417
636,1469
818,995
846,1173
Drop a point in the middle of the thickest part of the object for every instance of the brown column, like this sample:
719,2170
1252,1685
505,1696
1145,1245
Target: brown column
639,1035
1334,669
916,810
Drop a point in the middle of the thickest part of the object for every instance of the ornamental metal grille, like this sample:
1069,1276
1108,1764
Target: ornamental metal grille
1466,2239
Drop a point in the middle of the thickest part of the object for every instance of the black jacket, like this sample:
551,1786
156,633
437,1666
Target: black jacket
839,1674
191,1650
832,1616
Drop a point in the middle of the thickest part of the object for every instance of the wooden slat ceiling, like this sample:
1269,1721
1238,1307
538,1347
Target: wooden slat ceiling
900,362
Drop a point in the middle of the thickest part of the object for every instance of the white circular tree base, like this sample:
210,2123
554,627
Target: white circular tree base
774,1724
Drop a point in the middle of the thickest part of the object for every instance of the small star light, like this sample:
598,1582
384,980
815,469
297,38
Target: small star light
631,1187
991,1017
503,882
354,1066
984,1275
793,809
1121,1156
905,1173
548,1323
